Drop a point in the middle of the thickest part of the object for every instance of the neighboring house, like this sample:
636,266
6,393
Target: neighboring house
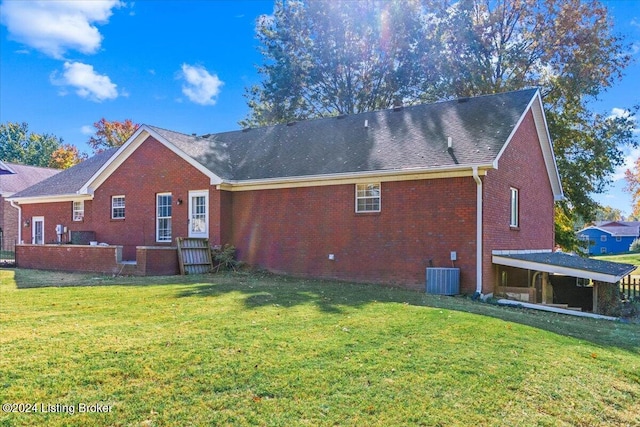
609,237
372,197
14,178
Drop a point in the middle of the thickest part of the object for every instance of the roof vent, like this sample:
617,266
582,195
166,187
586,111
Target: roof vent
397,104
461,100
341,116
246,129
193,134
291,123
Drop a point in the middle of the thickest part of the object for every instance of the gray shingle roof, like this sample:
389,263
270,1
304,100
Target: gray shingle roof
387,140
407,138
561,259
69,181
23,176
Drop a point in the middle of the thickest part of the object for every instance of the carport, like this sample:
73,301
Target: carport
527,276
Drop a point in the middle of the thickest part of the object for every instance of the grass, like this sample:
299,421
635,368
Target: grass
252,349
626,258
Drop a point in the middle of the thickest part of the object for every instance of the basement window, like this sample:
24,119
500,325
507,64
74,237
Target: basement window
117,207
367,198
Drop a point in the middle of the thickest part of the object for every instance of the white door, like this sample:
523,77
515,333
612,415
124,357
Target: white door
199,214
37,230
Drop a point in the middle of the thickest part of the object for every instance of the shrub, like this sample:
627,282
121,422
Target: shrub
226,258
635,245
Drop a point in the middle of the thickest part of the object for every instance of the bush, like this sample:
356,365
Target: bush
226,258
635,246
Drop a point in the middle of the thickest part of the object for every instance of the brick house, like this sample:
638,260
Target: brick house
372,197
14,178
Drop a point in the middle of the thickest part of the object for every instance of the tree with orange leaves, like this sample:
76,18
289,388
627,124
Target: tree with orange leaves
633,186
111,134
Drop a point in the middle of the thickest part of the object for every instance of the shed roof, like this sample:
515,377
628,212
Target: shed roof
563,263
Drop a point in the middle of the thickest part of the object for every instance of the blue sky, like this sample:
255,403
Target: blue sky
181,65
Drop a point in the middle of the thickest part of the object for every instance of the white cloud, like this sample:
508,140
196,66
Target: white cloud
54,27
200,86
87,83
87,130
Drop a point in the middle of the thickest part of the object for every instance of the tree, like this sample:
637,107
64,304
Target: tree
633,185
66,156
325,58
111,134
19,145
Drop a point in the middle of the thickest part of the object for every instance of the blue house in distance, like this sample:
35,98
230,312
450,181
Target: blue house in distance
609,237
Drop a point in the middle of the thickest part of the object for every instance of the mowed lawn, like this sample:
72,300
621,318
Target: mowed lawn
257,349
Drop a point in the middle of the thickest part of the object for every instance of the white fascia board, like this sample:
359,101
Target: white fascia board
549,268
599,229
75,197
340,178
537,109
129,148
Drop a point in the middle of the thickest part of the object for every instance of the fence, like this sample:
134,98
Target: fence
7,251
630,288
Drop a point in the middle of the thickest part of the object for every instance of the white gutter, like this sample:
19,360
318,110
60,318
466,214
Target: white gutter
476,177
12,203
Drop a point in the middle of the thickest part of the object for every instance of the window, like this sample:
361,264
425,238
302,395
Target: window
514,221
117,207
603,250
163,217
603,238
367,197
618,238
78,210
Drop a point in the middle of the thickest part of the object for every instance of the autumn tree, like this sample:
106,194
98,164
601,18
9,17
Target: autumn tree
324,58
632,176
19,145
111,134
66,156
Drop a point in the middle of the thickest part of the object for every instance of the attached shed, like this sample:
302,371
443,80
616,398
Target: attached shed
542,277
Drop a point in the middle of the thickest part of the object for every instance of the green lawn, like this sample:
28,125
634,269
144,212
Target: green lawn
628,258
251,349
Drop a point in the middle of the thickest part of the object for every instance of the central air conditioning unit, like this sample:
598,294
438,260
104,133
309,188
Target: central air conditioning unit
443,281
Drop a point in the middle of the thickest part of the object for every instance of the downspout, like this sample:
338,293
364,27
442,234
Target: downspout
12,203
478,181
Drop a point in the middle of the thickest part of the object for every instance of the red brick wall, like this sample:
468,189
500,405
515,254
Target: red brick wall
8,223
56,213
95,259
151,169
157,261
295,230
521,166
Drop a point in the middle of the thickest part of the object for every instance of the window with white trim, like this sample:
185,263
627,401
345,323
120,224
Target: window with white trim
368,197
117,207
514,206
603,238
78,210
163,217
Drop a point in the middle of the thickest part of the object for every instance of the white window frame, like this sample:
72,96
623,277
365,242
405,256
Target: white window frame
603,238
114,207
362,194
161,237
77,208
618,238
514,207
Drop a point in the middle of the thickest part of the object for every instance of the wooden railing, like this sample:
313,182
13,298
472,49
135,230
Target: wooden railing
630,288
